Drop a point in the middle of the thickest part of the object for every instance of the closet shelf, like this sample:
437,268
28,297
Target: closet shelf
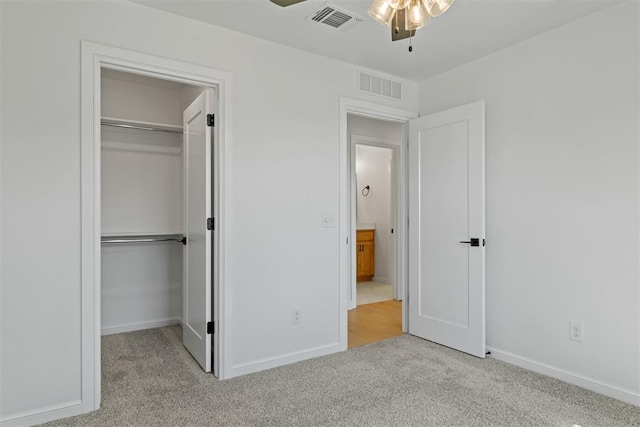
140,125
142,234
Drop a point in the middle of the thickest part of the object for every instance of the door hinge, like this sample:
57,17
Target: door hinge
211,224
211,119
210,327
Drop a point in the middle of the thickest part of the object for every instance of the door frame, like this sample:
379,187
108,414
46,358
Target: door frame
382,112
395,185
94,57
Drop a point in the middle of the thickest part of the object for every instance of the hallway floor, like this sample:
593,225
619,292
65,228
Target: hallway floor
374,322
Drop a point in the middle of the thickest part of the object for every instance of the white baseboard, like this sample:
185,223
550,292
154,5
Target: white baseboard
139,326
261,365
43,415
627,396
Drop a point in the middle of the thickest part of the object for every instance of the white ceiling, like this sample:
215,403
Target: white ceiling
470,29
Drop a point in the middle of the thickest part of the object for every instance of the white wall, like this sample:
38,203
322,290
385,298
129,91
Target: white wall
141,286
189,94
392,132
129,96
562,193
141,170
373,169
286,121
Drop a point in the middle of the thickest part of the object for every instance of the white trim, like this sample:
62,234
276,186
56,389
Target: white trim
367,109
93,58
43,415
139,326
627,396
286,359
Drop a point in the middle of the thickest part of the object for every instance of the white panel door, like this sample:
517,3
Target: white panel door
197,210
446,215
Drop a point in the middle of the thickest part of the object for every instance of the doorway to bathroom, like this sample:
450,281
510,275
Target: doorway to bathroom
376,312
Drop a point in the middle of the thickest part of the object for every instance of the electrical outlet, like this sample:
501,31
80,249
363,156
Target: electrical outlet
296,316
575,331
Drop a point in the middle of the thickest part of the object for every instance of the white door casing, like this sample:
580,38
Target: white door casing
446,208
384,112
197,157
94,57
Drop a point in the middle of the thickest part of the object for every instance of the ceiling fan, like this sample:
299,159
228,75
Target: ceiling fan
285,3
403,16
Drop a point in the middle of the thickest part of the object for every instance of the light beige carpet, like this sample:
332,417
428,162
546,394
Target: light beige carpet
368,292
149,379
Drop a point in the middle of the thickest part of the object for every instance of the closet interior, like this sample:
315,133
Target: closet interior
142,201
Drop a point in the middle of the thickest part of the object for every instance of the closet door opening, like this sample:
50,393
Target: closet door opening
158,201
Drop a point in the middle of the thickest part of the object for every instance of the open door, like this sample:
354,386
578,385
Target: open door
198,226
447,228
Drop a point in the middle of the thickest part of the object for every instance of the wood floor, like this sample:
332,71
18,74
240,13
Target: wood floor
374,322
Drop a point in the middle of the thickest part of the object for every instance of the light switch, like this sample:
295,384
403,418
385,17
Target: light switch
328,220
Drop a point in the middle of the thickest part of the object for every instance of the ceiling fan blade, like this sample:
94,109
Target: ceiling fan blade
285,3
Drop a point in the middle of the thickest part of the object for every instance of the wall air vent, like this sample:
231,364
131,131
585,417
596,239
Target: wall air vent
335,17
379,85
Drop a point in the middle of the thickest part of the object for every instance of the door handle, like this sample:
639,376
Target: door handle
472,242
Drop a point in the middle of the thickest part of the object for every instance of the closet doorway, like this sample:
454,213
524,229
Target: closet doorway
157,184
156,141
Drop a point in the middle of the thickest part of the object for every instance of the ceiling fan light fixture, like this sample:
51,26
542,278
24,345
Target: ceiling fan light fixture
382,11
285,3
437,7
399,4
417,15
407,16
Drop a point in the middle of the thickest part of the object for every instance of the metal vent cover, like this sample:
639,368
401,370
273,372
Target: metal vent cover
335,17
379,85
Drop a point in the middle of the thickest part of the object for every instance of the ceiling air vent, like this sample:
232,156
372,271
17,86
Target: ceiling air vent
335,17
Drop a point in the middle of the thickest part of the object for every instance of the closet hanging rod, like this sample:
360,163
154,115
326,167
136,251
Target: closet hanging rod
182,240
139,127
